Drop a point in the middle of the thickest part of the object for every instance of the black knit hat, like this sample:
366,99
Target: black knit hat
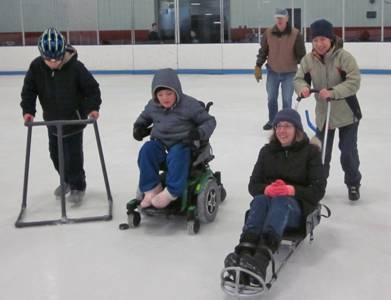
322,27
288,115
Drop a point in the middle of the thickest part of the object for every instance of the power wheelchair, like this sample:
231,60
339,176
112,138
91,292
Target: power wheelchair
200,200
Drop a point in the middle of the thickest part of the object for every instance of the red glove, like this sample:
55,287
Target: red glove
279,188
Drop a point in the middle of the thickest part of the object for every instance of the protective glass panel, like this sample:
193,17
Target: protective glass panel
39,15
329,10
387,20
154,21
244,21
115,22
10,23
82,21
363,21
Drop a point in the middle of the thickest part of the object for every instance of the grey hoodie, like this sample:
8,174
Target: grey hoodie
173,125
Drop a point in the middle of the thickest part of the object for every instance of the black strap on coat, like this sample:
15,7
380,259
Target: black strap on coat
352,101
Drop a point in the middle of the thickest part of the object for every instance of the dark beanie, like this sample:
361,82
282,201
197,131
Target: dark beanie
322,27
288,115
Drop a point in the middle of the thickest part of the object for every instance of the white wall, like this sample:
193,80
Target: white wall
186,56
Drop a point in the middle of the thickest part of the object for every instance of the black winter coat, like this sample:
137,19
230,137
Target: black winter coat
299,165
69,93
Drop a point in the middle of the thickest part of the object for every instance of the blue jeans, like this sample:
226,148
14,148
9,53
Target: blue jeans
273,215
349,153
273,81
152,155
73,159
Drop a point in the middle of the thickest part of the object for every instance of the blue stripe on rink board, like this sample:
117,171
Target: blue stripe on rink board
192,71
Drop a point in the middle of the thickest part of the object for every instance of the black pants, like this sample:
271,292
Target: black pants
349,154
73,159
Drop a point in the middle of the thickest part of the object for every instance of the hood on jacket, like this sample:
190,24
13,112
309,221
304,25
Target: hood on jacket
166,78
70,54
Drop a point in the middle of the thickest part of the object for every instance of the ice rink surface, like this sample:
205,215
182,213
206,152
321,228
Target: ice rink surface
350,258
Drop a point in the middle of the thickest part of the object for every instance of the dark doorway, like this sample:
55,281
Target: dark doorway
199,21
297,17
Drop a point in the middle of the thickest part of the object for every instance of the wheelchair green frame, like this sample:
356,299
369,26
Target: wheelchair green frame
187,204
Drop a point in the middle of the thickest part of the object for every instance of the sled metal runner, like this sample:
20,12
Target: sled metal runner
293,241
64,218
235,288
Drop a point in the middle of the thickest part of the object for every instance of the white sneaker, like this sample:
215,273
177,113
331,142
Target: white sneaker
146,202
162,199
57,191
76,196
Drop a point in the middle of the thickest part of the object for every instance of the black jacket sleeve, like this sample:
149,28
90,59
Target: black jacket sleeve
29,94
258,181
89,88
315,190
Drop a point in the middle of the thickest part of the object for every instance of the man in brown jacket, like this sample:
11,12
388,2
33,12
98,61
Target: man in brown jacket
283,47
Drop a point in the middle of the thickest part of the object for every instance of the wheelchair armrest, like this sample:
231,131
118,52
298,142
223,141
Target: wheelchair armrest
203,154
208,105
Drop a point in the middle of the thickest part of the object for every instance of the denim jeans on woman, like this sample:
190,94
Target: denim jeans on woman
273,81
272,216
177,159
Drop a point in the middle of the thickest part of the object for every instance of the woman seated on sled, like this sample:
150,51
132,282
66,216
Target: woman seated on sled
287,184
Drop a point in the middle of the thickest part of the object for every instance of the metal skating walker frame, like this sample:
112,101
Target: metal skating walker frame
64,219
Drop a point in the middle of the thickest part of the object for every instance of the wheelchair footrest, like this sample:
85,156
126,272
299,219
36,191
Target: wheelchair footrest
173,208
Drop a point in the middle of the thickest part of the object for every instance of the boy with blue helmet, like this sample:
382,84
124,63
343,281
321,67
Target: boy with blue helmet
51,44
66,91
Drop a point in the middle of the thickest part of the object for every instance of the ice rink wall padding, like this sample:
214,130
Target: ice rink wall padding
372,58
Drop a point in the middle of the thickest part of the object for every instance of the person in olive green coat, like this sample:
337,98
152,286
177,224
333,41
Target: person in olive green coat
334,72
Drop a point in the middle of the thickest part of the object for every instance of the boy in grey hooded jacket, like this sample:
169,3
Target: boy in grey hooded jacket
177,120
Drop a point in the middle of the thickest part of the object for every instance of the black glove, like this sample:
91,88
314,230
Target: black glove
194,135
140,132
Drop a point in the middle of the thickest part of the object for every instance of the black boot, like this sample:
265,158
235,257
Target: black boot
271,241
354,192
233,260
247,246
257,264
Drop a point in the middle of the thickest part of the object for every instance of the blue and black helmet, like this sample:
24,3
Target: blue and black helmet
51,44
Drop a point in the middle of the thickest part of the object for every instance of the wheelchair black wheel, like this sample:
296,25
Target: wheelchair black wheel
223,193
134,219
208,201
